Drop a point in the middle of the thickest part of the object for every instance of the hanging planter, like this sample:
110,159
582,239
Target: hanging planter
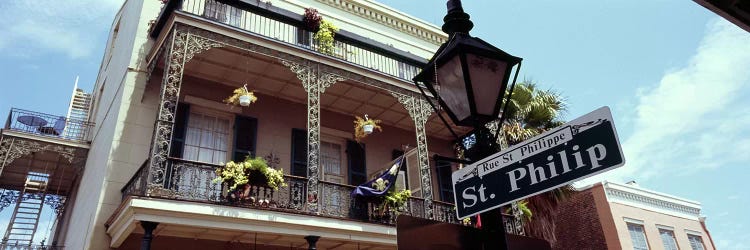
241,96
364,127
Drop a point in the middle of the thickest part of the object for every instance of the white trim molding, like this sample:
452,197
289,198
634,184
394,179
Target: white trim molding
653,201
226,218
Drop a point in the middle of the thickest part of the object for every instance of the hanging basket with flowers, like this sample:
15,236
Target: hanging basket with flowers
241,96
364,127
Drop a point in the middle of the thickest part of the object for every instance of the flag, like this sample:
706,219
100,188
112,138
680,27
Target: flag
380,185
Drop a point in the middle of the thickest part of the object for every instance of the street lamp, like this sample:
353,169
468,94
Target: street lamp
469,78
467,75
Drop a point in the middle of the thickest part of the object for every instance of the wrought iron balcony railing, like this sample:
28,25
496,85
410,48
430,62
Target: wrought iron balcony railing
193,181
13,246
289,30
47,125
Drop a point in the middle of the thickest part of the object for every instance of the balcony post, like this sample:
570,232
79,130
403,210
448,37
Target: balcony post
148,230
315,83
419,109
178,50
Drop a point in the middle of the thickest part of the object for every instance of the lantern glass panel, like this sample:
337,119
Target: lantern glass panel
486,82
453,88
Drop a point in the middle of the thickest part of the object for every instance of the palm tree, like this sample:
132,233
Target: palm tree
532,111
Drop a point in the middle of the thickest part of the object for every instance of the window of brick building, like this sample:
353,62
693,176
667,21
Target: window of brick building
638,236
667,238
696,242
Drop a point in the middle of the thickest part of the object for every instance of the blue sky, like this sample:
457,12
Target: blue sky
674,74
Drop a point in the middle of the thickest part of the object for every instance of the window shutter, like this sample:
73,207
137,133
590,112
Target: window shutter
182,115
444,180
245,134
357,162
299,152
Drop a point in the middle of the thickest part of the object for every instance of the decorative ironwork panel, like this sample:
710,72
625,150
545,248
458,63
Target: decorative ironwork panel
292,196
419,109
180,49
335,200
12,148
445,212
192,181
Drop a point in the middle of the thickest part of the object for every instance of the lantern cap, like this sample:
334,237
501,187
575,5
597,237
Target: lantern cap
463,43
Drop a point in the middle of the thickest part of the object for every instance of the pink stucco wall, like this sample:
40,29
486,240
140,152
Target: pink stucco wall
650,221
277,117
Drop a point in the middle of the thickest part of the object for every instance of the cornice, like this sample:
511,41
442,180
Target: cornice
390,17
650,200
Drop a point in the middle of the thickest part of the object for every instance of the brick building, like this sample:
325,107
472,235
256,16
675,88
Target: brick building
624,216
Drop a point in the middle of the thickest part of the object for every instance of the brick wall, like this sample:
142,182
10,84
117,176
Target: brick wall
577,224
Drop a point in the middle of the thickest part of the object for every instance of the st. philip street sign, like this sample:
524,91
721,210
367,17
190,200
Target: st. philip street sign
578,149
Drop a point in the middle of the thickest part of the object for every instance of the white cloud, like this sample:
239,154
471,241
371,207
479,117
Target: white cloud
696,117
70,27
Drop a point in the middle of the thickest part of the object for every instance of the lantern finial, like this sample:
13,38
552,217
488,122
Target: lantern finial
456,20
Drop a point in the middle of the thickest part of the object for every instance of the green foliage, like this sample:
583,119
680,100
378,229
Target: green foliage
396,199
236,174
531,111
324,37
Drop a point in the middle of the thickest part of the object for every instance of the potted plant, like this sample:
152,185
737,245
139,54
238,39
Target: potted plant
239,176
324,37
364,127
241,96
312,19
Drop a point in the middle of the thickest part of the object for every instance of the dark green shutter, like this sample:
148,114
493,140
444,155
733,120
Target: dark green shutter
245,134
299,152
182,115
444,172
355,153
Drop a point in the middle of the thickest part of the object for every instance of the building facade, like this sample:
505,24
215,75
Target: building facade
157,129
625,216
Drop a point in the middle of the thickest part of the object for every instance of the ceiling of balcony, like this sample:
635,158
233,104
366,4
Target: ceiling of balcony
248,240
269,77
61,173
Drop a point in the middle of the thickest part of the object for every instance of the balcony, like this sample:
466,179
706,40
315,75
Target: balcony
286,27
47,126
193,182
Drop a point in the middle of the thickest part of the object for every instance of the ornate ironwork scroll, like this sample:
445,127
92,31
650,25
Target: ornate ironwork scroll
179,50
12,148
315,83
419,109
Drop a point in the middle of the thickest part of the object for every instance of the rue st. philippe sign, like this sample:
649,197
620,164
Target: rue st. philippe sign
578,149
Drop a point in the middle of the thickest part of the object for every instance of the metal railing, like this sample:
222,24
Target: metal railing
12,246
193,181
48,125
292,33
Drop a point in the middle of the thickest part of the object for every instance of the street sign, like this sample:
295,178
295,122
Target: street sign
578,149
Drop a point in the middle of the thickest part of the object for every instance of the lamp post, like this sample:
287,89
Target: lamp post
469,78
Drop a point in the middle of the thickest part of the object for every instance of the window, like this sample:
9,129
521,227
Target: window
637,236
696,242
207,138
331,159
667,238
